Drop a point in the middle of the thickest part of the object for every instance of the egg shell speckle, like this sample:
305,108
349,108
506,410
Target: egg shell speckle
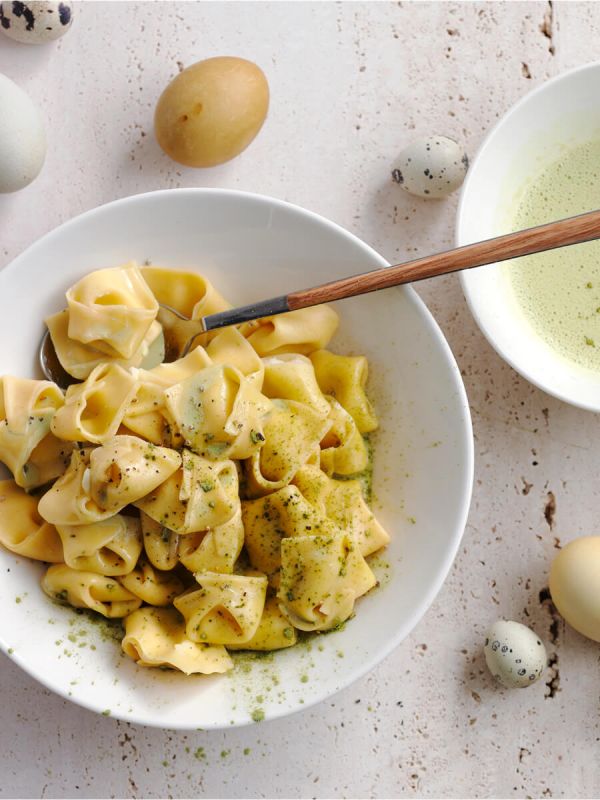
432,167
22,138
515,655
35,22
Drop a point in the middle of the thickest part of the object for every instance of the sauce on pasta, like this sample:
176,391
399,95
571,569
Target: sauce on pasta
212,504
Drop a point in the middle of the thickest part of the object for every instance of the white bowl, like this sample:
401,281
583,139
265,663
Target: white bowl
252,247
561,113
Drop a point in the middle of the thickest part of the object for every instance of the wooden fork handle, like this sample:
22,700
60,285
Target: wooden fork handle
564,232
573,230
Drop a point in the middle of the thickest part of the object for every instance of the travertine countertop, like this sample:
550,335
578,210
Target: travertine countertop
351,84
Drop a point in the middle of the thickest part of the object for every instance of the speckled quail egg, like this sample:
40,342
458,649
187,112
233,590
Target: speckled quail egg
22,138
431,167
35,22
514,654
575,585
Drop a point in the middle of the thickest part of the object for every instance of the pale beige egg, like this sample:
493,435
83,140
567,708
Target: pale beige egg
22,138
211,111
575,585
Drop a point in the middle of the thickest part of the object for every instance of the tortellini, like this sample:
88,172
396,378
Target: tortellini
219,412
269,519
127,468
215,549
226,609
80,359
230,347
321,577
187,292
69,502
212,503
155,637
93,410
100,482
89,590
146,414
274,631
109,547
200,495
345,377
27,408
302,331
343,449
160,543
290,376
152,586
22,530
111,310
292,434
342,503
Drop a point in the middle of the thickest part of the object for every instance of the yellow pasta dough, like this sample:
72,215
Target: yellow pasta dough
321,577
88,590
22,530
94,409
343,449
219,412
292,434
291,376
155,637
342,502
302,331
109,547
345,377
212,503
200,495
153,586
27,408
79,359
226,609
274,632
111,310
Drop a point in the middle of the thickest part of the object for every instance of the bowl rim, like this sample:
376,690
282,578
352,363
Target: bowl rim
461,239
466,440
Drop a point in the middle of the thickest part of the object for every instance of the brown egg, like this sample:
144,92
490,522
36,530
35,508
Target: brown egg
211,111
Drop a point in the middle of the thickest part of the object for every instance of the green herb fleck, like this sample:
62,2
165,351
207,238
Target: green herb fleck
106,712
258,715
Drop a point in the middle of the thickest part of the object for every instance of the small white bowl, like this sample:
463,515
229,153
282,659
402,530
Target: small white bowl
252,247
561,113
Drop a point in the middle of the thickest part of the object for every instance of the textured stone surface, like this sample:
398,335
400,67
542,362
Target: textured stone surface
351,84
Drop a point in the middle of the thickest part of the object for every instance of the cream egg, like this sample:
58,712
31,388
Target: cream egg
212,111
22,138
433,166
35,22
575,585
515,654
